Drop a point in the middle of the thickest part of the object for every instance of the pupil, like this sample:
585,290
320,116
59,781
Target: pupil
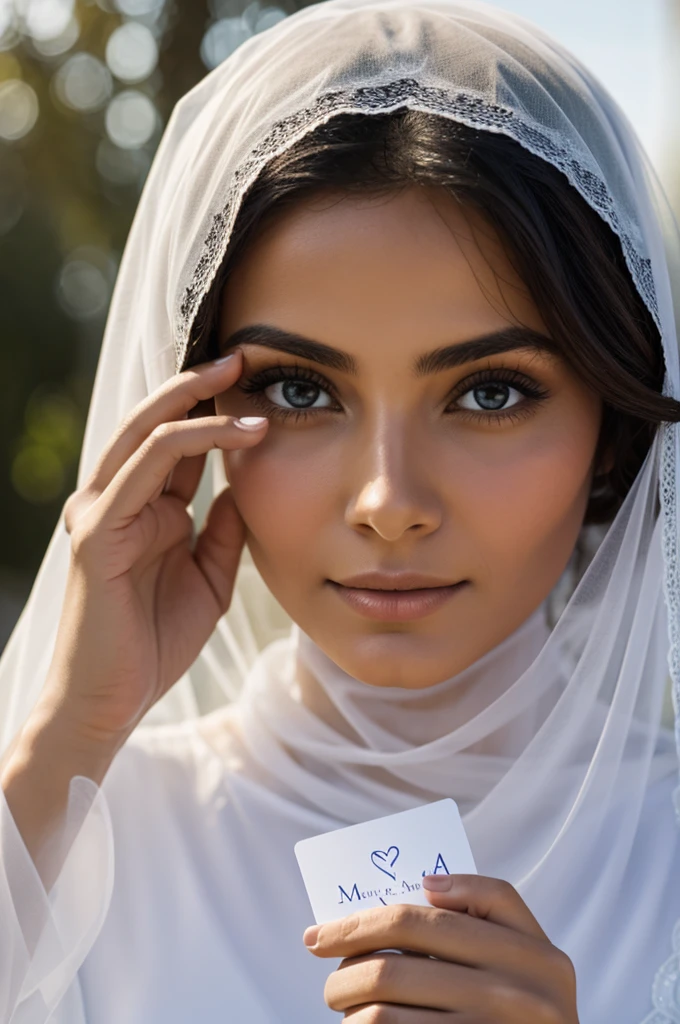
491,396
297,392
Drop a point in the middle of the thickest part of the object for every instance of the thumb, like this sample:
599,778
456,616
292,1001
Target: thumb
480,896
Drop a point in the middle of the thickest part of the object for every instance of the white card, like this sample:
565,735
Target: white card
381,862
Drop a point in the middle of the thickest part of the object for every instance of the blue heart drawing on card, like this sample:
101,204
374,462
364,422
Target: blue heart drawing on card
382,857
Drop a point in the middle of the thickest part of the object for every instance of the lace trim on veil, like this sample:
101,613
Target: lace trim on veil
666,986
582,173
463,107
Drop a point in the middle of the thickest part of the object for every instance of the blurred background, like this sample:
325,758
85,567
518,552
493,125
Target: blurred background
86,88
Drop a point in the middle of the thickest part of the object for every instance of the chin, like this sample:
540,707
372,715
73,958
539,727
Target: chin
398,659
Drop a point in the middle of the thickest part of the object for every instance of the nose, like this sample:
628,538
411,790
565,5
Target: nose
394,488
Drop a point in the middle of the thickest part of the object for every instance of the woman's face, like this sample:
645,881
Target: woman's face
420,421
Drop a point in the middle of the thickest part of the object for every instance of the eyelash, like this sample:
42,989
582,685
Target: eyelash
534,394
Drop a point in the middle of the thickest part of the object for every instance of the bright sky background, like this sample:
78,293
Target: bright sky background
624,42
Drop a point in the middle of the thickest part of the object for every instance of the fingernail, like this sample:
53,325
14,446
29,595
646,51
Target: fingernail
250,422
311,935
437,883
223,359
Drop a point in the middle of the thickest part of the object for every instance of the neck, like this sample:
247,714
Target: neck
332,695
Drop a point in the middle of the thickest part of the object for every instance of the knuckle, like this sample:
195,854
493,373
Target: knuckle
84,526
83,537
332,993
382,972
162,433
373,975
401,917
562,966
499,889
351,927
72,507
443,920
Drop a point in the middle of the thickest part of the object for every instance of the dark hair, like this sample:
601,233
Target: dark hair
569,258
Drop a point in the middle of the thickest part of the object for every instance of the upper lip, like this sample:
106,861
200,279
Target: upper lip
393,581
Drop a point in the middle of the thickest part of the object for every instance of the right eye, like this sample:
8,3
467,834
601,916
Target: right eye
301,394
289,390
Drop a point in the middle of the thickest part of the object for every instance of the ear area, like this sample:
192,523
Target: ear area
606,462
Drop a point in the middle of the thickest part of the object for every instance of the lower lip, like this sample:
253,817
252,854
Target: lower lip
396,605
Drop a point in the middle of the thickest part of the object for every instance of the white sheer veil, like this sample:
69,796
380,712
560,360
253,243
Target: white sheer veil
546,760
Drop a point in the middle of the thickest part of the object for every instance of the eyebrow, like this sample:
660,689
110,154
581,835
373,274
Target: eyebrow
446,358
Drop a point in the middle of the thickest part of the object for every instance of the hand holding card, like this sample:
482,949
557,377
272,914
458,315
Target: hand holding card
483,954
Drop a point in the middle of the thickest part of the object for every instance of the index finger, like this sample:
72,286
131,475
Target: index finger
172,401
441,933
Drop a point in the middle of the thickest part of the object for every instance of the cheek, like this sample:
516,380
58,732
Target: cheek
525,508
283,497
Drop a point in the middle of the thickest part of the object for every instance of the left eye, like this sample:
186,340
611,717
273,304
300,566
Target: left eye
300,394
491,397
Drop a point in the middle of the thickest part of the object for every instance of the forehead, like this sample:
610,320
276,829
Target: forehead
416,264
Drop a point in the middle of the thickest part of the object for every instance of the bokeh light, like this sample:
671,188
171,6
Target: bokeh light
228,32
37,474
18,109
131,119
85,282
132,52
44,19
222,38
138,8
83,83
86,88
6,15
49,444
268,17
61,43
9,34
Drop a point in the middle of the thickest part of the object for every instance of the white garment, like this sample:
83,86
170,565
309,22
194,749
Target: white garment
208,908
556,754
212,930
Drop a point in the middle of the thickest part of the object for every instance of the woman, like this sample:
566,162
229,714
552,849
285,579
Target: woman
438,275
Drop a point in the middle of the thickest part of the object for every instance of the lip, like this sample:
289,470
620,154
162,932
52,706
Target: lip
397,605
393,581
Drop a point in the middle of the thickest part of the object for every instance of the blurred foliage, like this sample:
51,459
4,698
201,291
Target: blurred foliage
86,89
